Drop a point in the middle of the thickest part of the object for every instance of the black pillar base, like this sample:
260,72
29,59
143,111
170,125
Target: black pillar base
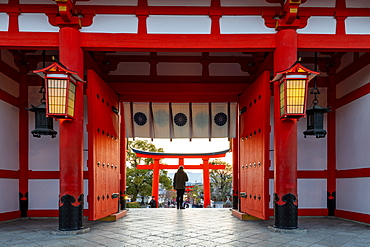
286,215
70,217
331,205
23,204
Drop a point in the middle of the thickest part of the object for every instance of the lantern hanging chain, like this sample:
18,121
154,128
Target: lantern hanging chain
315,90
42,89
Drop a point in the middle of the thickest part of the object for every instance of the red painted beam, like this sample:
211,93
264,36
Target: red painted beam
178,42
353,173
189,42
29,40
10,215
331,42
307,174
9,174
352,215
49,174
175,10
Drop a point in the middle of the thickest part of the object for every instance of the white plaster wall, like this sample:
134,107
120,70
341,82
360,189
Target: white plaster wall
312,151
174,24
353,135
250,3
8,85
357,25
3,1
357,80
112,24
9,192
43,193
4,21
312,193
179,3
352,195
319,3
9,137
108,2
271,193
243,24
44,151
319,25
357,4
132,68
34,22
86,192
179,69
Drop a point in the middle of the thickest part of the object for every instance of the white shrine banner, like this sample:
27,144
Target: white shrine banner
137,120
222,116
161,120
200,113
180,120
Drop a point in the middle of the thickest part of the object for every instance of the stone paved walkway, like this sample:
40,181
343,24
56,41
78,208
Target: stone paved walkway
189,227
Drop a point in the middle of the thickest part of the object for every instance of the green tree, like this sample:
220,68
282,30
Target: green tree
139,182
221,180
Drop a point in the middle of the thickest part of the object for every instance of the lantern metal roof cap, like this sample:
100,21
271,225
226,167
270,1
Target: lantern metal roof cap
57,66
297,67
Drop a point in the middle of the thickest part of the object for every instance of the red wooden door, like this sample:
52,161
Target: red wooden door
103,148
254,148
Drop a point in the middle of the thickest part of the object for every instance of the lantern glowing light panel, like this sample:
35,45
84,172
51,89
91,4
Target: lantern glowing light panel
61,96
60,90
293,90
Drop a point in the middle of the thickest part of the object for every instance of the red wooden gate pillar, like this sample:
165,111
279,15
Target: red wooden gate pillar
71,198
206,184
235,143
155,182
285,140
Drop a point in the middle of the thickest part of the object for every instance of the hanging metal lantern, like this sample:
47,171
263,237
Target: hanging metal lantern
293,84
315,120
315,114
60,84
43,124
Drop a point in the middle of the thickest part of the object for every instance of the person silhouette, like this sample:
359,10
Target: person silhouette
179,181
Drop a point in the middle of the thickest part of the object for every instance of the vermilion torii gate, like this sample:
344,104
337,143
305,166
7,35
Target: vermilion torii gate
205,166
